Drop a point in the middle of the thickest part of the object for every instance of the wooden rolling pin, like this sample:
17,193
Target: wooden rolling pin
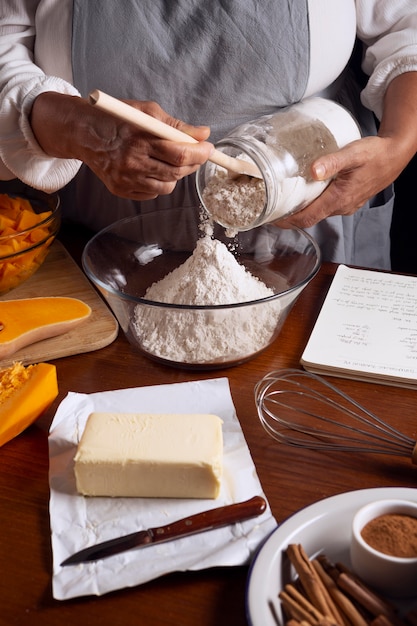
164,131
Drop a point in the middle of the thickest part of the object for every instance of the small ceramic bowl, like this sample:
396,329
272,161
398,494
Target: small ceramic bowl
394,576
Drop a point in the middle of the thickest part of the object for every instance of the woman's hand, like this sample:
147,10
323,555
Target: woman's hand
366,166
358,171
130,162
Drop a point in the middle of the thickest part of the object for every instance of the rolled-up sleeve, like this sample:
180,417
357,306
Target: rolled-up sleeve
21,81
389,32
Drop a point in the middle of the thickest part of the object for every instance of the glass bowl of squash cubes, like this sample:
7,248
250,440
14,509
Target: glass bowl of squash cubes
29,223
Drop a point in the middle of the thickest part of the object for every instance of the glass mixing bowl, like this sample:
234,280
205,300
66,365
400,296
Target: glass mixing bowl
29,223
126,258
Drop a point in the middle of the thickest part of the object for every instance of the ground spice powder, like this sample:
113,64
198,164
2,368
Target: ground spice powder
393,534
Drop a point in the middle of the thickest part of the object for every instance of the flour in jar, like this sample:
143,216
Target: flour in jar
284,146
210,276
236,203
240,203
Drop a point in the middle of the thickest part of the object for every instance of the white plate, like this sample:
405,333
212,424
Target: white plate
322,527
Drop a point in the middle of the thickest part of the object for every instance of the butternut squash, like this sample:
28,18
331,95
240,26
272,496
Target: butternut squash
24,240
25,393
23,322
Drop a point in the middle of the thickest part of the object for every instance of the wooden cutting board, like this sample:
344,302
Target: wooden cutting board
60,276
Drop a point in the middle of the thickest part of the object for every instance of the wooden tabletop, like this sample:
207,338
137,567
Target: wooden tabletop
291,480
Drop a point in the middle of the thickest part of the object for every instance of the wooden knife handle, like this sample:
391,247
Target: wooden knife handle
214,518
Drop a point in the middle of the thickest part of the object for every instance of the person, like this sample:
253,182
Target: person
205,68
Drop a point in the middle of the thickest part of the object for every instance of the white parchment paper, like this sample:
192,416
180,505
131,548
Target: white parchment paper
77,522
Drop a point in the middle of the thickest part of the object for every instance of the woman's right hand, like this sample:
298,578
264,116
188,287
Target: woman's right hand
130,162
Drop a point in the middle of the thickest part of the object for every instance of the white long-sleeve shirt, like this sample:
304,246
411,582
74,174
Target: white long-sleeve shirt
35,56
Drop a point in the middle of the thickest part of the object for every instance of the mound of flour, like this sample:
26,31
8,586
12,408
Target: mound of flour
210,276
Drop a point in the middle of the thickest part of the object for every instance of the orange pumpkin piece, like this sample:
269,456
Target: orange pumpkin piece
6,249
25,321
7,204
38,234
25,393
6,224
12,208
27,219
18,221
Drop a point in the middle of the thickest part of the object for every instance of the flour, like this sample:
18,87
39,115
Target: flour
237,204
210,276
288,142
234,202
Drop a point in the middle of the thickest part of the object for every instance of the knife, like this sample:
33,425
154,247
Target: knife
201,522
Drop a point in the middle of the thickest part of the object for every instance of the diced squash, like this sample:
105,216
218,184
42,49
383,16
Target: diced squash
25,321
39,234
17,216
17,243
27,219
17,209
6,232
5,250
7,204
5,223
25,393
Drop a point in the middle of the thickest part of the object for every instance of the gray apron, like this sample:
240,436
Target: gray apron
211,63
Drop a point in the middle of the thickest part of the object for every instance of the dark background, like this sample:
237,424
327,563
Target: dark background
404,223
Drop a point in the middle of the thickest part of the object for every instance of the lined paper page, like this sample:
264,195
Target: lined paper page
368,324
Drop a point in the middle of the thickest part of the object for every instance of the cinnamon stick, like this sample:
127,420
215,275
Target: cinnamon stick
389,607
301,611
358,591
324,590
313,586
303,602
367,598
347,607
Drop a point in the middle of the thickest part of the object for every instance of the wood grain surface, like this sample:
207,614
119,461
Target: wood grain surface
292,479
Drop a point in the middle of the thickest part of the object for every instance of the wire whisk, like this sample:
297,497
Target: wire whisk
303,410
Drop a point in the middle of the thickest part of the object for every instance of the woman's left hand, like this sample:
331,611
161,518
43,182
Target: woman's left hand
365,167
358,171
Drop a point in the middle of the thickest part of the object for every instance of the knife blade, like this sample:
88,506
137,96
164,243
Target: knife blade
193,524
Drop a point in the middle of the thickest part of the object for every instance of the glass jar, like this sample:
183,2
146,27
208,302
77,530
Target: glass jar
283,146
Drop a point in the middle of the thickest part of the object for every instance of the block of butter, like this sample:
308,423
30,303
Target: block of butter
150,455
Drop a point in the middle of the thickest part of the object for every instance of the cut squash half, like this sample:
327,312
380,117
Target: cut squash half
26,321
25,393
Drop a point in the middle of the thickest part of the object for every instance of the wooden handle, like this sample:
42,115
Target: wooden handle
214,518
165,131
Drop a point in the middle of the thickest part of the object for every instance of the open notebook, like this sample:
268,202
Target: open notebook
367,328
